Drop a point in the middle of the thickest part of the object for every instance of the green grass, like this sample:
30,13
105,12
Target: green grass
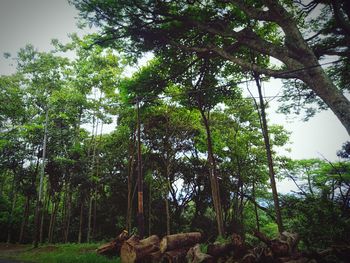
65,253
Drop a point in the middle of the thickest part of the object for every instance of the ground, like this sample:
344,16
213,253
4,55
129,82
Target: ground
10,250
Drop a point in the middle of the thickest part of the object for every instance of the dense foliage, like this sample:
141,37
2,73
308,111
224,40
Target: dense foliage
203,144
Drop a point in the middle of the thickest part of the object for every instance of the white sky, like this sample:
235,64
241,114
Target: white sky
38,21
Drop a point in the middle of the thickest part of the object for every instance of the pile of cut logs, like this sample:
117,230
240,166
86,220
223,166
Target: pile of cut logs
185,247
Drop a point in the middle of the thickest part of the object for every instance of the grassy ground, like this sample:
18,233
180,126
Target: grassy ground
58,253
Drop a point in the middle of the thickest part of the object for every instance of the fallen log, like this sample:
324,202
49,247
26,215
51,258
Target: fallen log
172,242
219,250
283,246
135,250
195,255
175,256
113,248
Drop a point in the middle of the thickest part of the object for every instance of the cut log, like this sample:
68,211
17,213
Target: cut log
172,242
195,255
113,248
135,250
175,256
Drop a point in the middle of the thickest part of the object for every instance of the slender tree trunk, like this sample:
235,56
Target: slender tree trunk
25,219
42,218
39,211
94,216
92,196
90,216
150,210
167,207
81,221
130,179
213,177
10,224
140,216
68,215
265,133
255,208
53,219
167,212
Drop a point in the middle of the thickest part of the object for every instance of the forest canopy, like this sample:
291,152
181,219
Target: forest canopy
189,150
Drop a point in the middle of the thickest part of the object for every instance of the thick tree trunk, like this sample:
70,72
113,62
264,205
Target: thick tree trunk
319,82
265,133
176,241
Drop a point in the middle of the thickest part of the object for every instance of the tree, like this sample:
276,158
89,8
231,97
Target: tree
269,27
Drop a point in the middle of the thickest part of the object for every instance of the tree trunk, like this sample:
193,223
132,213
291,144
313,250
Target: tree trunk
39,207
150,209
10,224
89,217
167,207
255,208
42,219
265,133
213,177
94,217
25,219
319,82
67,216
130,175
140,216
81,221
53,218
172,242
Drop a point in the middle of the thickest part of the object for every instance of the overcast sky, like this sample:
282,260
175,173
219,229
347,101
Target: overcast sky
38,21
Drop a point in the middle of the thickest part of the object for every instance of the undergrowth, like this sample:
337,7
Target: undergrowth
65,253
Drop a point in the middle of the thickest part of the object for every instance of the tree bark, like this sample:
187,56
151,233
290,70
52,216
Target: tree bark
265,133
130,179
39,206
81,222
25,219
175,241
113,248
213,177
140,216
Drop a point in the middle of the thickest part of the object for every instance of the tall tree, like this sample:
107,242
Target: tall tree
269,27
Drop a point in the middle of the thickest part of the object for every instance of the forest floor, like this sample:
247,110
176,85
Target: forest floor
63,253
